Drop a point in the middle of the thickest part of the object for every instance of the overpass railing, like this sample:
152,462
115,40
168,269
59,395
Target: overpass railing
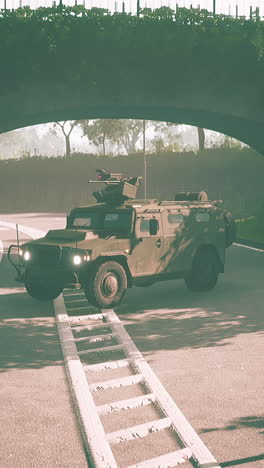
234,8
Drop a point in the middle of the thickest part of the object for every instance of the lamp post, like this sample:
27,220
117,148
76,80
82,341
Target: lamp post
213,7
144,155
138,7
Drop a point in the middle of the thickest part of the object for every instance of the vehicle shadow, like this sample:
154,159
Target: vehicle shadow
28,332
167,316
254,422
241,461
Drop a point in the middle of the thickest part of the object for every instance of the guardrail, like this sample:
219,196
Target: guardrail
247,8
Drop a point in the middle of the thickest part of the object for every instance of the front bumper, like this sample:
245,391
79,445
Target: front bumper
69,275
17,265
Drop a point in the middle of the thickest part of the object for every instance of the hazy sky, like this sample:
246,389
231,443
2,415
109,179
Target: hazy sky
39,141
222,6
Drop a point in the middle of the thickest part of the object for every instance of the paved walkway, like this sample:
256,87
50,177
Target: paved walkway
38,424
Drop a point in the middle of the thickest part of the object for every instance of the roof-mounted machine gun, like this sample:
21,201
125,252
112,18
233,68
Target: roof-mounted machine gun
118,188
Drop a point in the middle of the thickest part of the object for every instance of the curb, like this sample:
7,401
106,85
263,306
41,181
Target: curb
250,243
31,232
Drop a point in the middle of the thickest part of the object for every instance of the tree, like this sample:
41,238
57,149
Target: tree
130,132
201,138
18,143
231,143
63,125
101,130
166,137
127,132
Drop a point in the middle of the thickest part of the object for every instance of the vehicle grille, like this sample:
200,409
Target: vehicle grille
45,255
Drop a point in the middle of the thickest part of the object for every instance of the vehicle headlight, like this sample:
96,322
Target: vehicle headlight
77,259
27,255
80,258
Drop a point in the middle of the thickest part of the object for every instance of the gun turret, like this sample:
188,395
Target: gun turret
118,188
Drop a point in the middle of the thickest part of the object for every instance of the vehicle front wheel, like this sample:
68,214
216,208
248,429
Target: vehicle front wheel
41,287
106,285
205,271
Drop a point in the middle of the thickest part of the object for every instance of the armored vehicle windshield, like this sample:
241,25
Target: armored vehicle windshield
105,220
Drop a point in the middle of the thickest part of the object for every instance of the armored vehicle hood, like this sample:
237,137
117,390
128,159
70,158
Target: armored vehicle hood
86,240
70,235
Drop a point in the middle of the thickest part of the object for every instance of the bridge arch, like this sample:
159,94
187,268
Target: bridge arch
247,130
193,74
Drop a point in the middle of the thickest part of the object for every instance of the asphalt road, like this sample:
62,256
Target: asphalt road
206,349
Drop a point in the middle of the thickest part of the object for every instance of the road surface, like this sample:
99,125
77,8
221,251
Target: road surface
206,349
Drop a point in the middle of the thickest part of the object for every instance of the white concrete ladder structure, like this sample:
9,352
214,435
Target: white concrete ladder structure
98,442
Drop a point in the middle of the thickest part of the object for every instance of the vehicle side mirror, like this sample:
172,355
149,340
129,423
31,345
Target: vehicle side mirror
153,227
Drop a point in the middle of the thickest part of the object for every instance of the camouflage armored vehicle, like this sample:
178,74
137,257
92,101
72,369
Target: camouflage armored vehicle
120,242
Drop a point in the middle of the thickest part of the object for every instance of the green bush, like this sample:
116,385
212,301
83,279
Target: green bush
56,184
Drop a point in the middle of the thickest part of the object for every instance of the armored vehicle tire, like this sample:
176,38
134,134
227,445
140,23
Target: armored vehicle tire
41,287
107,285
205,270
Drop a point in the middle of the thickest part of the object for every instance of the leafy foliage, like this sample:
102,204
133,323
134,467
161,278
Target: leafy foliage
79,44
66,132
131,132
101,130
166,137
252,227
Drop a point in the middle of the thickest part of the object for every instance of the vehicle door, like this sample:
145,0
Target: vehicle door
146,256
177,238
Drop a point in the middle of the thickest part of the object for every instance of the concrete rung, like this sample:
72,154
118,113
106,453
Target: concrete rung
169,460
101,350
80,318
75,300
72,294
136,432
97,338
107,365
116,383
90,327
131,403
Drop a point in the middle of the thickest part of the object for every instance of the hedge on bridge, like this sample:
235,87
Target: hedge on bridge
82,46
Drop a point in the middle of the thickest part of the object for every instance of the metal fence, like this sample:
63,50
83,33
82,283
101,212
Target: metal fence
226,7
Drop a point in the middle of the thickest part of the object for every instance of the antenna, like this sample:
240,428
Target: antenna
76,240
18,245
145,161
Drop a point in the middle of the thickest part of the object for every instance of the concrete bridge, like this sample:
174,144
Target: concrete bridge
206,80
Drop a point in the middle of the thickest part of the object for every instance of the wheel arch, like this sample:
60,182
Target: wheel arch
213,249
122,259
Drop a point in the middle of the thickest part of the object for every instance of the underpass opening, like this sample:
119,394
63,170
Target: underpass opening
245,130
225,173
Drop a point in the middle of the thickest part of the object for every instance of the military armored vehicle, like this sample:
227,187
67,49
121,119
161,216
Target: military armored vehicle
120,242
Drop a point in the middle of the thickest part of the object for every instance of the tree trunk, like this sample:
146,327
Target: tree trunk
68,146
201,138
104,145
